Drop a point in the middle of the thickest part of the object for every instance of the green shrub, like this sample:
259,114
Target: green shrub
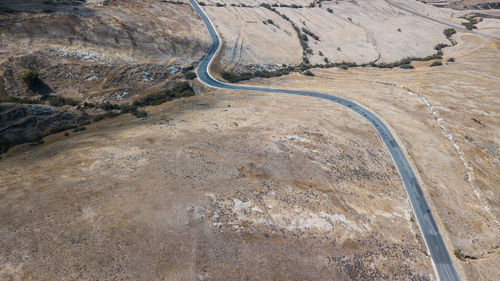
30,78
141,114
406,66
128,108
451,60
76,130
180,89
449,32
190,75
109,106
66,134
60,101
7,10
436,63
469,25
458,254
308,32
37,143
440,46
329,10
308,73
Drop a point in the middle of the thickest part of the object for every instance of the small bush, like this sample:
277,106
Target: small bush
451,60
141,114
308,73
436,63
76,130
30,78
469,25
37,143
190,75
329,10
181,89
406,66
458,254
109,106
66,134
128,108
440,46
60,101
308,32
6,10
449,32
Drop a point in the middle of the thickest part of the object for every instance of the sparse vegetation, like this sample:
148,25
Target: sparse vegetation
329,10
61,101
470,24
181,89
406,66
18,100
458,254
441,46
7,10
308,32
37,143
190,75
449,32
308,73
451,60
436,63
79,129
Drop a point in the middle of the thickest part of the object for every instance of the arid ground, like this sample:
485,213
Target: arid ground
236,185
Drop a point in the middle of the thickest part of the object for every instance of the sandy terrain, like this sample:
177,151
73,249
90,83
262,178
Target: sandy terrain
220,186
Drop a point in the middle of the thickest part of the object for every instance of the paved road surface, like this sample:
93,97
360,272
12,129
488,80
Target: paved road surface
440,256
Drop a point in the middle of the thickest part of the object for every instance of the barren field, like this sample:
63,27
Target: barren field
351,31
224,185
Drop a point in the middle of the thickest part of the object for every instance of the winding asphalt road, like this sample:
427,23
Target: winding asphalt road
440,256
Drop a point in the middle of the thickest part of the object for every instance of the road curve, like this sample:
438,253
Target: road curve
433,239
439,21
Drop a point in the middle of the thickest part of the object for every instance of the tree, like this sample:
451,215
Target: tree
30,78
